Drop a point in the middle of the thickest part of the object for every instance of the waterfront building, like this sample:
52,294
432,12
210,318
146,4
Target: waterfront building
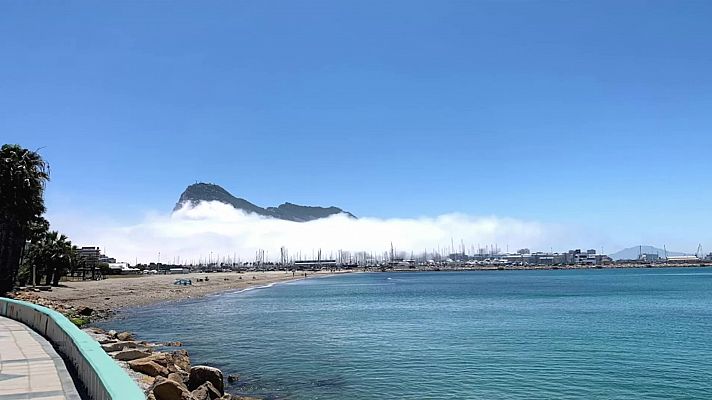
89,253
649,257
93,255
123,269
683,259
590,257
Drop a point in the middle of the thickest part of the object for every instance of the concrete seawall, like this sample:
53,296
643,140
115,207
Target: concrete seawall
102,378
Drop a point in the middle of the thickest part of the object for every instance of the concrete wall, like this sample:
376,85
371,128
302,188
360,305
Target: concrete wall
102,377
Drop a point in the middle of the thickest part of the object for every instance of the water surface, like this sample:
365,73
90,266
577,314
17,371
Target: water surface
563,334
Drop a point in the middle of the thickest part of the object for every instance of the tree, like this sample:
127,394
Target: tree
50,257
23,174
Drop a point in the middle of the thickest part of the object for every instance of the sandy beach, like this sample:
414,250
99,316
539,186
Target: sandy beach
96,300
119,292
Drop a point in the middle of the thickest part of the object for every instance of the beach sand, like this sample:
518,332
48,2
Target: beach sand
120,292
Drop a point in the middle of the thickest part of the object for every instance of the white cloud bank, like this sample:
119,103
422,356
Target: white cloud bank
194,232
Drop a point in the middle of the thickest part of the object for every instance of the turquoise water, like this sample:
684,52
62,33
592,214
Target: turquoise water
584,334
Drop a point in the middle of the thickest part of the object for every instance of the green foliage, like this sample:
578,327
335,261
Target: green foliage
104,268
23,174
24,274
52,255
79,321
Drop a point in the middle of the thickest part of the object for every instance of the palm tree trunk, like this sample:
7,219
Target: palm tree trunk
50,272
4,261
11,244
56,276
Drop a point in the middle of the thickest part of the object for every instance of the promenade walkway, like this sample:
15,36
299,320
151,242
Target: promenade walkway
29,366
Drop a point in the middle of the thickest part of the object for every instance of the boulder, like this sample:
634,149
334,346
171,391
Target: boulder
147,367
206,391
166,389
163,359
111,333
180,377
233,378
118,346
85,311
175,361
181,359
202,373
125,336
131,354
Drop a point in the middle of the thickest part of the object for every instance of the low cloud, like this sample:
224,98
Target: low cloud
192,233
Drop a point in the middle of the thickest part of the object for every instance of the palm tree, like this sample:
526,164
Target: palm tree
62,257
23,174
51,256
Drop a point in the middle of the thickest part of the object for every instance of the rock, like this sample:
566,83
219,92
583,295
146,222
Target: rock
111,333
233,378
107,341
181,359
118,346
146,381
180,377
202,373
131,354
149,368
166,389
85,311
206,391
125,336
176,361
163,359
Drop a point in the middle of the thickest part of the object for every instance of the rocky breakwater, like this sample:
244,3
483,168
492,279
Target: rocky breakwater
163,375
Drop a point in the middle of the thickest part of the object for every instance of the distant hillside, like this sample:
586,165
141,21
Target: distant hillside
198,192
632,253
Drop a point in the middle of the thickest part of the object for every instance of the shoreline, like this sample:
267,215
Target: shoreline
156,367
100,300
161,364
94,301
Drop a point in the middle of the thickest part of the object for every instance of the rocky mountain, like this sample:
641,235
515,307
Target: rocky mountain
198,192
632,253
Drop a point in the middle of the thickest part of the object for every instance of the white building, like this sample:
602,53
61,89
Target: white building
123,268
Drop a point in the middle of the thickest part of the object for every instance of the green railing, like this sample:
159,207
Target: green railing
101,376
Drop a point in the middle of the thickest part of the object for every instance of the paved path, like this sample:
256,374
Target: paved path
29,366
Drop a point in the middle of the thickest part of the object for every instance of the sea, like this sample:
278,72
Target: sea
559,334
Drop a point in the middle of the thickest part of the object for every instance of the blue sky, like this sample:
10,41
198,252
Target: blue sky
595,114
